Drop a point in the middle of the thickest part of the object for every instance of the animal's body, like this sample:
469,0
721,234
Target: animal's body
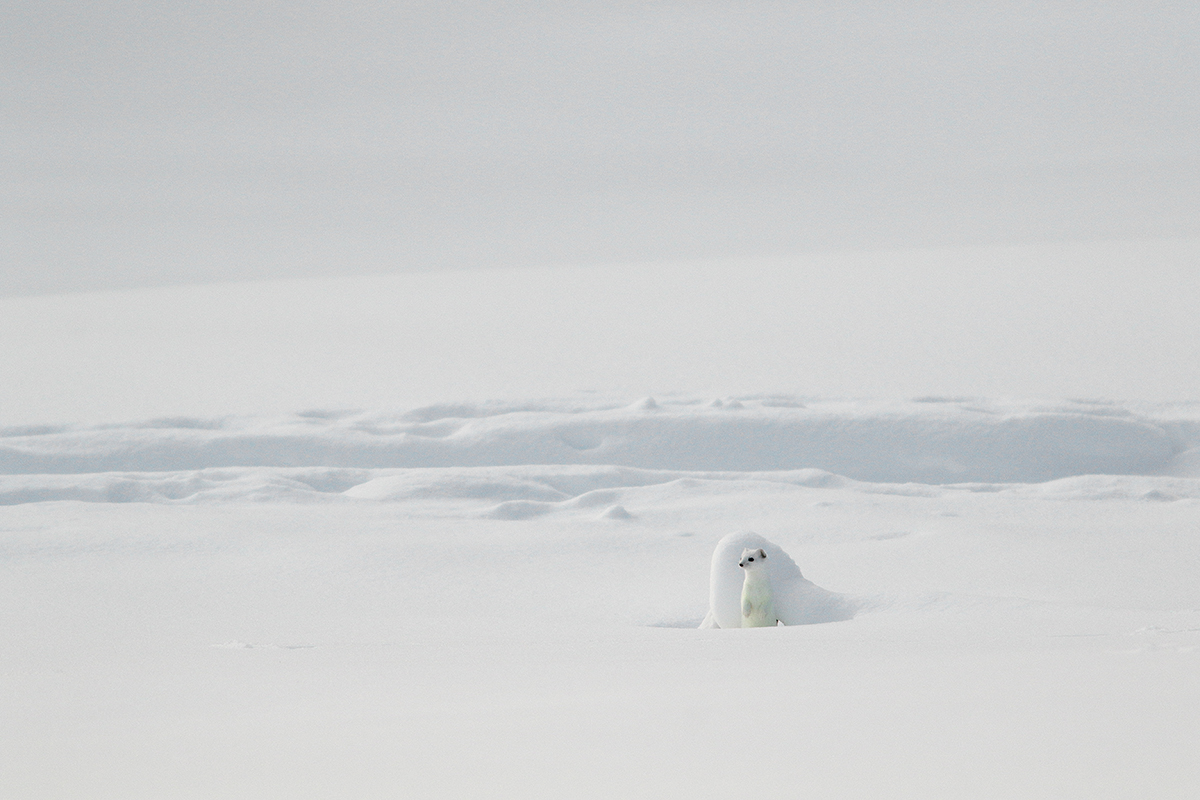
758,602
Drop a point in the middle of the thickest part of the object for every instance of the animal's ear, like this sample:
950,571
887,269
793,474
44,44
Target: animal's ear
762,553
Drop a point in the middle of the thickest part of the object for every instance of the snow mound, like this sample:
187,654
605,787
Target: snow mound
446,484
798,601
616,512
519,509
213,485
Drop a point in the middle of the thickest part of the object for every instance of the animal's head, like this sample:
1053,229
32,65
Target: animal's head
753,559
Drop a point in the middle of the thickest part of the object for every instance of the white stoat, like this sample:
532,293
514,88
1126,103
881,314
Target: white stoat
794,600
758,604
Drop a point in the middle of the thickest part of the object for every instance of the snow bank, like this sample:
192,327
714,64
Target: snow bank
936,441
523,492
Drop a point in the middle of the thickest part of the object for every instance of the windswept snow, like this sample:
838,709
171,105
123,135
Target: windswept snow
524,460
999,596
1010,640
464,531
931,441
1080,320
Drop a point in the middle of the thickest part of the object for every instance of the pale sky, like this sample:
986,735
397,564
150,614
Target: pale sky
157,143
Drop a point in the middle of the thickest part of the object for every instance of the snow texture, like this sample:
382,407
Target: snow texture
532,598
933,441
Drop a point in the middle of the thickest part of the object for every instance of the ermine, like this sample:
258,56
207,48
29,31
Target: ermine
758,606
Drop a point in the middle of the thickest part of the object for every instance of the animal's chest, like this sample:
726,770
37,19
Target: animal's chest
757,608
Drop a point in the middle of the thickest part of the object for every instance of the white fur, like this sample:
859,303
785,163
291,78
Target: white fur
796,601
758,608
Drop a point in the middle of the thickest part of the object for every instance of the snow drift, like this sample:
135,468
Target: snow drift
934,441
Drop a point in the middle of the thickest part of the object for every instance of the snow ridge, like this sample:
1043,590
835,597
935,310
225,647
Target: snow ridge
925,442
534,457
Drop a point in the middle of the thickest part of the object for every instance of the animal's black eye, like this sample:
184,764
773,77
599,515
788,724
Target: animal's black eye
751,558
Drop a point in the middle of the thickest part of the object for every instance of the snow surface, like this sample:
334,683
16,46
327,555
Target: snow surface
503,599
1094,320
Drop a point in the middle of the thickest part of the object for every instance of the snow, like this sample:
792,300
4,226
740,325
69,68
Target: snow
1095,320
1008,644
213,596
580,298
930,441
